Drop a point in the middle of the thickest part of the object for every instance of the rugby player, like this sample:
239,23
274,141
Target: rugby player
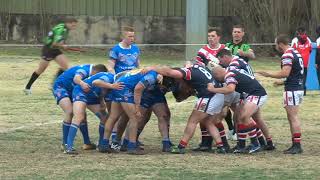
89,99
122,57
207,55
292,68
127,101
62,91
208,106
256,96
232,62
53,44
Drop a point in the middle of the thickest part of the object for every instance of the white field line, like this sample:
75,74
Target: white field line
56,122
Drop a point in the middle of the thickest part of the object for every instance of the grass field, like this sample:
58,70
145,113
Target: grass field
30,132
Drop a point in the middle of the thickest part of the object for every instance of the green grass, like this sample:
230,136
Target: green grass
30,133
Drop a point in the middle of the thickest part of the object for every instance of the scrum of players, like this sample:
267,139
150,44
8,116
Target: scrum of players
123,96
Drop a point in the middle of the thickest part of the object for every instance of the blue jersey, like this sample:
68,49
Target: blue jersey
66,78
93,95
130,79
125,58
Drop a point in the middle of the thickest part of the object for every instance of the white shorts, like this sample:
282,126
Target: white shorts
257,100
233,98
292,98
211,105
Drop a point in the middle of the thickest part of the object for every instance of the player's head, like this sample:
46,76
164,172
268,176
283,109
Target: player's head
237,33
282,42
214,35
225,57
182,90
98,68
219,73
127,35
71,23
302,35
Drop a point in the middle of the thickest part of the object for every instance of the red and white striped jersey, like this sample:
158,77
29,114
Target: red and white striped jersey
209,54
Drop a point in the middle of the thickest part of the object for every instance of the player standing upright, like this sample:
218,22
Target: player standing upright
207,54
302,44
122,57
291,69
53,44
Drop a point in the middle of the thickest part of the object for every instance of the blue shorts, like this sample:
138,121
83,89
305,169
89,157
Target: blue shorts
88,98
109,96
123,96
60,92
148,99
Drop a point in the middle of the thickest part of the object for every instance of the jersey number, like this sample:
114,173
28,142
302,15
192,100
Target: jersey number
301,65
205,72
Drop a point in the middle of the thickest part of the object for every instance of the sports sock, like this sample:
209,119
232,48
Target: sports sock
104,142
71,135
206,139
85,133
114,136
65,131
269,141
33,78
296,138
260,137
132,145
222,133
252,132
182,144
125,142
101,132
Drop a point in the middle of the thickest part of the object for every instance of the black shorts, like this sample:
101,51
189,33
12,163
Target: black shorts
49,54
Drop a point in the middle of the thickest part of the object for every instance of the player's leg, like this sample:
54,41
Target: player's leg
161,110
66,105
102,116
292,100
79,109
63,62
295,128
247,126
263,131
132,128
194,119
206,139
43,64
115,113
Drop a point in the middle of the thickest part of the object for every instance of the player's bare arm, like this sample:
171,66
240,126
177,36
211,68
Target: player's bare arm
285,72
105,85
110,66
78,80
224,90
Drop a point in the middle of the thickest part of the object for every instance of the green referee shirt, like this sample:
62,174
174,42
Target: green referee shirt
242,46
58,34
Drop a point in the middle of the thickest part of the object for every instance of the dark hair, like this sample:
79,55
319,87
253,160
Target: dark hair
301,30
216,29
282,38
70,20
238,26
100,68
224,52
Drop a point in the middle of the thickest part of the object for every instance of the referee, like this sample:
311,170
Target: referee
53,44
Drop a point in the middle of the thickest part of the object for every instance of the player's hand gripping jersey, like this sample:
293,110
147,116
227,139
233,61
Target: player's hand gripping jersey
130,79
245,83
239,64
91,97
